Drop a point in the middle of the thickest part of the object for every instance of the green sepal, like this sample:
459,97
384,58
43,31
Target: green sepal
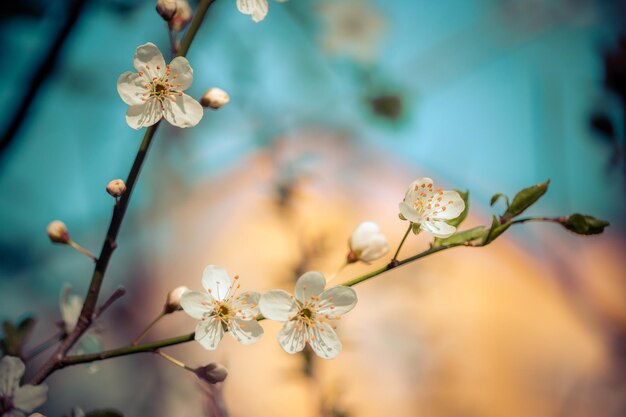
466,236
524,199
415,228
15,337
583,224
401,216
496,197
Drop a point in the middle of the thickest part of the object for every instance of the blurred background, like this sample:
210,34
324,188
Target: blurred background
336,106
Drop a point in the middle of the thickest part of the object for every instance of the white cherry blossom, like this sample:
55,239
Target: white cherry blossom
430,207
16,400
71,305
256,8
219,309
367,243
306,315
156,90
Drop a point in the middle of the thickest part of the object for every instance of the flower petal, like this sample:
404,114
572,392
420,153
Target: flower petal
324,341
11,371
292,337
247,305
337,301
182,111
362,234
410,213
70,306
278,305
29,397
378,247
146,114
438,228
216,281
209,332
180,68
131,87
418,186
310,284
257,8
245,331
149,59
196,303
451,206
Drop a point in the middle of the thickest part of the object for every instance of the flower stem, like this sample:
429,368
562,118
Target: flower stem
147,329
395,256
55,361
337,272
82,250
152,347
173,360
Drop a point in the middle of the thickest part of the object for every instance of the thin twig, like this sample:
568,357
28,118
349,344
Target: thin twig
117,294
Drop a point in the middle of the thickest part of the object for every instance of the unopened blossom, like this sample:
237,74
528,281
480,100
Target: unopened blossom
307,315
166,9
16,400
430,207
172,302
156,90
116,188
182,17
212,373
220,309
214,98
367,243
71,305
257,9
57,232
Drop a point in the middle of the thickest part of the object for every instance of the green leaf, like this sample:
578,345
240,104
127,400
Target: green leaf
401,216
498,196
465,236
524,199
496,230
583,224
458,220
104,413
415,228
15,337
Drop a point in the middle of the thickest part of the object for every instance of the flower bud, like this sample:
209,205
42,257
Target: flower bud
37,415
166,9
182,17
172,303
212,373
57,232
367,243
214,98
116,188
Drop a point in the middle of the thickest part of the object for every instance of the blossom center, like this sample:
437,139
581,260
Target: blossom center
162,87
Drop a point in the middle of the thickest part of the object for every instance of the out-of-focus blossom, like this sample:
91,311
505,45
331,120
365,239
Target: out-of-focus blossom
16,400
430,207
352,28
57,232
220,309
71,305
367,243
172,302
214,98
182,17
307,314
156,90
166,9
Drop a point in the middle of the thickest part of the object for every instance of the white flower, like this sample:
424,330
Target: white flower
307,314
16,400
256,8
219,309
367,243
157,90
172,301
430,207
71,305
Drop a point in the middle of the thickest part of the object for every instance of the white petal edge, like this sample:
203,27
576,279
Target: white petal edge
324,341
362,235
412,194
209,332
11,371
310,284
29,397
180,68
183,112
131,87
292,337
438,228
216,281
377,248
410,213
453,210
147,58
196,303
256,8
143,115
278,305
245,332
337,301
